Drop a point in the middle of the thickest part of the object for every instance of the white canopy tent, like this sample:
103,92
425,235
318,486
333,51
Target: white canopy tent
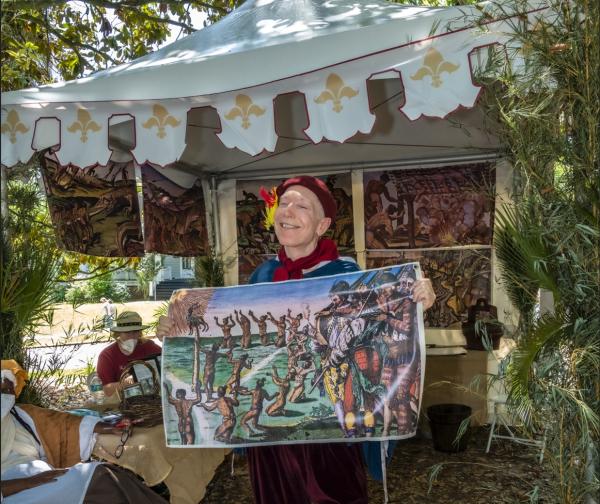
278,88
282,87
245,64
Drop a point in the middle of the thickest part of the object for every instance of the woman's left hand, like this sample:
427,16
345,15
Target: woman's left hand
423,293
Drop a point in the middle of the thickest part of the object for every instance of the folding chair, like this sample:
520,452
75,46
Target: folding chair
500,419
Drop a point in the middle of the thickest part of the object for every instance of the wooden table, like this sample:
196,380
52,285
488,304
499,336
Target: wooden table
186,471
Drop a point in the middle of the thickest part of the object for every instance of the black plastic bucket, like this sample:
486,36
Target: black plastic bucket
445,421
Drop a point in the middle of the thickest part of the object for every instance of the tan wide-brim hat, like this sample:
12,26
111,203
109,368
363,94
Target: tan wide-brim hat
128,321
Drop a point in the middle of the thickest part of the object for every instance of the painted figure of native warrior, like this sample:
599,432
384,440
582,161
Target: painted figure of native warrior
301,373
259,395
226,408
212,356
294,323
183,407
281,325
244,323
373,195
277,408
233,383
262,327
226,327
195,321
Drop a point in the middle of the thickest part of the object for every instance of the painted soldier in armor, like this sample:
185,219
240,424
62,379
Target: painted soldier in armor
401,360
338,329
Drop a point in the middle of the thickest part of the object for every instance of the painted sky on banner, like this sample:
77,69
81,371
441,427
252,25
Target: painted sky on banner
314,294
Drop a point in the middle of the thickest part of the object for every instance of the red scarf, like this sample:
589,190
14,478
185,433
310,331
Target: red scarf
291,270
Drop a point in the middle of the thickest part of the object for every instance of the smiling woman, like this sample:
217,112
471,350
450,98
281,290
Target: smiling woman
299,221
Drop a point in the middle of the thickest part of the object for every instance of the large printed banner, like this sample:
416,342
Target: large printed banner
332,359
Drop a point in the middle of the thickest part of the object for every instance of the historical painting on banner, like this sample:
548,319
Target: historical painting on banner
174,215
95,211
436,207
254,239
459,277
332,359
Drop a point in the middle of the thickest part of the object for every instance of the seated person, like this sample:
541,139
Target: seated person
130,345
44,453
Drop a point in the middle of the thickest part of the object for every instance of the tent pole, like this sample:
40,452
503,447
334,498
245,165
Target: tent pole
4,191
214,201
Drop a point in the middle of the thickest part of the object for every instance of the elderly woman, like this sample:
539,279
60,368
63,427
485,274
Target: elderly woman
326,472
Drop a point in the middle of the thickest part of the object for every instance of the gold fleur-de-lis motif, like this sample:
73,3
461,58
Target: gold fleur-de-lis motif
433,65
244,108
335,91
161,119
84,124
13,125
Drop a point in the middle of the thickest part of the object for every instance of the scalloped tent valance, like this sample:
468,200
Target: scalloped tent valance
327,51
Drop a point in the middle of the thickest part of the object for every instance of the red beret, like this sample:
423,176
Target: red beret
317,186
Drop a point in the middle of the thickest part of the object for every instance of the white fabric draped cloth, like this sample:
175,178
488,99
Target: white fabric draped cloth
23,456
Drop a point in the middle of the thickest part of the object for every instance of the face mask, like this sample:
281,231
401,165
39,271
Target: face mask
8,401
128,346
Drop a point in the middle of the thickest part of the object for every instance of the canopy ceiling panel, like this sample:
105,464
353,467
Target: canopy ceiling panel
325,53
465,134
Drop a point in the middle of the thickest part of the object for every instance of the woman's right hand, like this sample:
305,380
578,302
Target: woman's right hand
165,327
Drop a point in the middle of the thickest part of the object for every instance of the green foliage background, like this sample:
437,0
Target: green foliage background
548,237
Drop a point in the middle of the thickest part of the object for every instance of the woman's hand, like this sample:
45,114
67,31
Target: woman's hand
13,486
423,293
165,327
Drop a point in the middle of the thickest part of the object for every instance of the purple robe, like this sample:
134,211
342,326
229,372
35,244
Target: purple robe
320,473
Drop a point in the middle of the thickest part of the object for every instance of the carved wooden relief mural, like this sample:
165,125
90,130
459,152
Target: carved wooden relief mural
174,215
436,207
459,278
248,263
94,211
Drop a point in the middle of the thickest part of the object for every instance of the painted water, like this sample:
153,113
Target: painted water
316,419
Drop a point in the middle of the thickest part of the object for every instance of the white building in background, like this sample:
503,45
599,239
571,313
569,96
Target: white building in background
177,272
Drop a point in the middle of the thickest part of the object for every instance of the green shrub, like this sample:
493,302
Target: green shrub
59,292
76,294
91,291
